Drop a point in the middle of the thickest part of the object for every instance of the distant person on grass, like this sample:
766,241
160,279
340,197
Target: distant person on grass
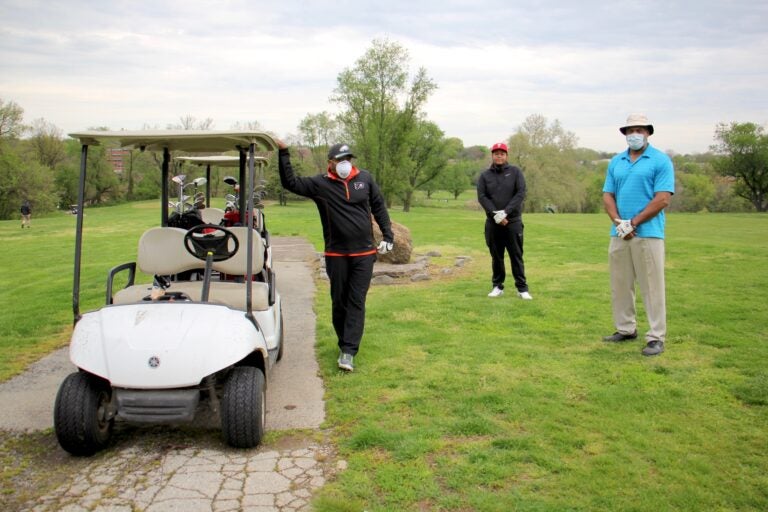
501,191
26,214
639,184
345,197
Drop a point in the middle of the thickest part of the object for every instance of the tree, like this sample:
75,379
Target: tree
694,193
11,116
547,155
318,132
743,150
426,159
456,178
47,143
380,109
21,179
248,126
189,122
102,185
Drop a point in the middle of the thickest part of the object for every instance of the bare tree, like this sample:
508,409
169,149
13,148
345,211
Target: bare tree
190,122
248,126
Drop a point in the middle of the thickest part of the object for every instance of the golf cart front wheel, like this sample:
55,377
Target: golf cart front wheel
243,407
81,415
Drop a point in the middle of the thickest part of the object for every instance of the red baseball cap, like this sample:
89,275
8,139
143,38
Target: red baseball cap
499,146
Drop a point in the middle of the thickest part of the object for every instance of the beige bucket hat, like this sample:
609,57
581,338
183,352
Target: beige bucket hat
637,120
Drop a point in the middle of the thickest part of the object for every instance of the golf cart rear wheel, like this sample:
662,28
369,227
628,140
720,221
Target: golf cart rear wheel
81,414
243,407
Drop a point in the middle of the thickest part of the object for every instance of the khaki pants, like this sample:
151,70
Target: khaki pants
638,260
26,220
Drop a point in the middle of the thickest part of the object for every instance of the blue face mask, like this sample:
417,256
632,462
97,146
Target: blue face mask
635,141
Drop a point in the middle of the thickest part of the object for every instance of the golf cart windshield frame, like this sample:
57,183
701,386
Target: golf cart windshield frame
193,141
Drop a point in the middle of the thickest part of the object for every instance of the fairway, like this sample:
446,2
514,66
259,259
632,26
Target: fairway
462,403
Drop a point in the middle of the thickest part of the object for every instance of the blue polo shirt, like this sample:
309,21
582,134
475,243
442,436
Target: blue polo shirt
634,184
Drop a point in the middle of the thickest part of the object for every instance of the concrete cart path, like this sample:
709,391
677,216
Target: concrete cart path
295,390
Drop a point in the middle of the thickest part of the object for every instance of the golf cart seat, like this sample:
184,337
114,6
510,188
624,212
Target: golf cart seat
212,215
162,252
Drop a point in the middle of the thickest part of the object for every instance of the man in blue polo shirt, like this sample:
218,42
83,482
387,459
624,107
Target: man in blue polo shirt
638,186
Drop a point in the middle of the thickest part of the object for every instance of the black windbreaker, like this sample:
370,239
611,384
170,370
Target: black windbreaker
502,188
345,207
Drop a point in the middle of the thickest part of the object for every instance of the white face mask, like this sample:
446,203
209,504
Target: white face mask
343,169
636,141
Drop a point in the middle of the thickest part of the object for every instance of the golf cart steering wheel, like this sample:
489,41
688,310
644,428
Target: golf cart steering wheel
211,238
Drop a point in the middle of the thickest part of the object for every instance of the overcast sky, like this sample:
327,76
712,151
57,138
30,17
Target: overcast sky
123,64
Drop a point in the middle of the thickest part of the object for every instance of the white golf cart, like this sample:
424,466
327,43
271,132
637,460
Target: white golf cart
209,327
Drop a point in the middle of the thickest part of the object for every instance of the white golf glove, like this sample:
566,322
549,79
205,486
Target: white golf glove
624,228
384,247
499,215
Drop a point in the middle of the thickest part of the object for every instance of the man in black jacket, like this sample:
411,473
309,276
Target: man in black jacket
26,214
345,197
501,190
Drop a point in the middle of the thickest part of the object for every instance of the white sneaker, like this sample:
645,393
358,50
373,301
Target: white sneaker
496,292
525,295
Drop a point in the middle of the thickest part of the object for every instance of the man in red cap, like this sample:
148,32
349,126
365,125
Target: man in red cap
501,191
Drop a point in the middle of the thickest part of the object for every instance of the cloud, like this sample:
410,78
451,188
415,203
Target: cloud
125,64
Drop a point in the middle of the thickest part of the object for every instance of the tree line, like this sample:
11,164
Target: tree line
381,113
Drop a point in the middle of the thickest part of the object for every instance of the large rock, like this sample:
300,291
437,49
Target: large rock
401,253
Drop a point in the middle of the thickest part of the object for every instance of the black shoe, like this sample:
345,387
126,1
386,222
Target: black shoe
617,337
653,348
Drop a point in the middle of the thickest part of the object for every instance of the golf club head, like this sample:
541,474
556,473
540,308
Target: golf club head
230,198
179,179
230,180
199,182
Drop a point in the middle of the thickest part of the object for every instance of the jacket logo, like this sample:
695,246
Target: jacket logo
359,186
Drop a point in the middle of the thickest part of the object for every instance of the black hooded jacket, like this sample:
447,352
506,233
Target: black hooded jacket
345,207
502,188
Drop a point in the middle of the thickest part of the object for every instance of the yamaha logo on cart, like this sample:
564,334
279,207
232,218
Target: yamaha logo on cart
154,362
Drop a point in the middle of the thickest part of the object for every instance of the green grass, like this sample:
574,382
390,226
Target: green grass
460,402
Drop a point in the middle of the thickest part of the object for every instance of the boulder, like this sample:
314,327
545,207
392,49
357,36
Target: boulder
401,253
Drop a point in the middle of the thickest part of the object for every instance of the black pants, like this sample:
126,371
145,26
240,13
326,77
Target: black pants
350,279
501,239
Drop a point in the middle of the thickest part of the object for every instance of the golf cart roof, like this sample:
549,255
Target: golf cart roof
217,160
209,141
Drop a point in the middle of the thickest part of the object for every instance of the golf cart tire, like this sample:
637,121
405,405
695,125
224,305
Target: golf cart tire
243,407
281,350
80,414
